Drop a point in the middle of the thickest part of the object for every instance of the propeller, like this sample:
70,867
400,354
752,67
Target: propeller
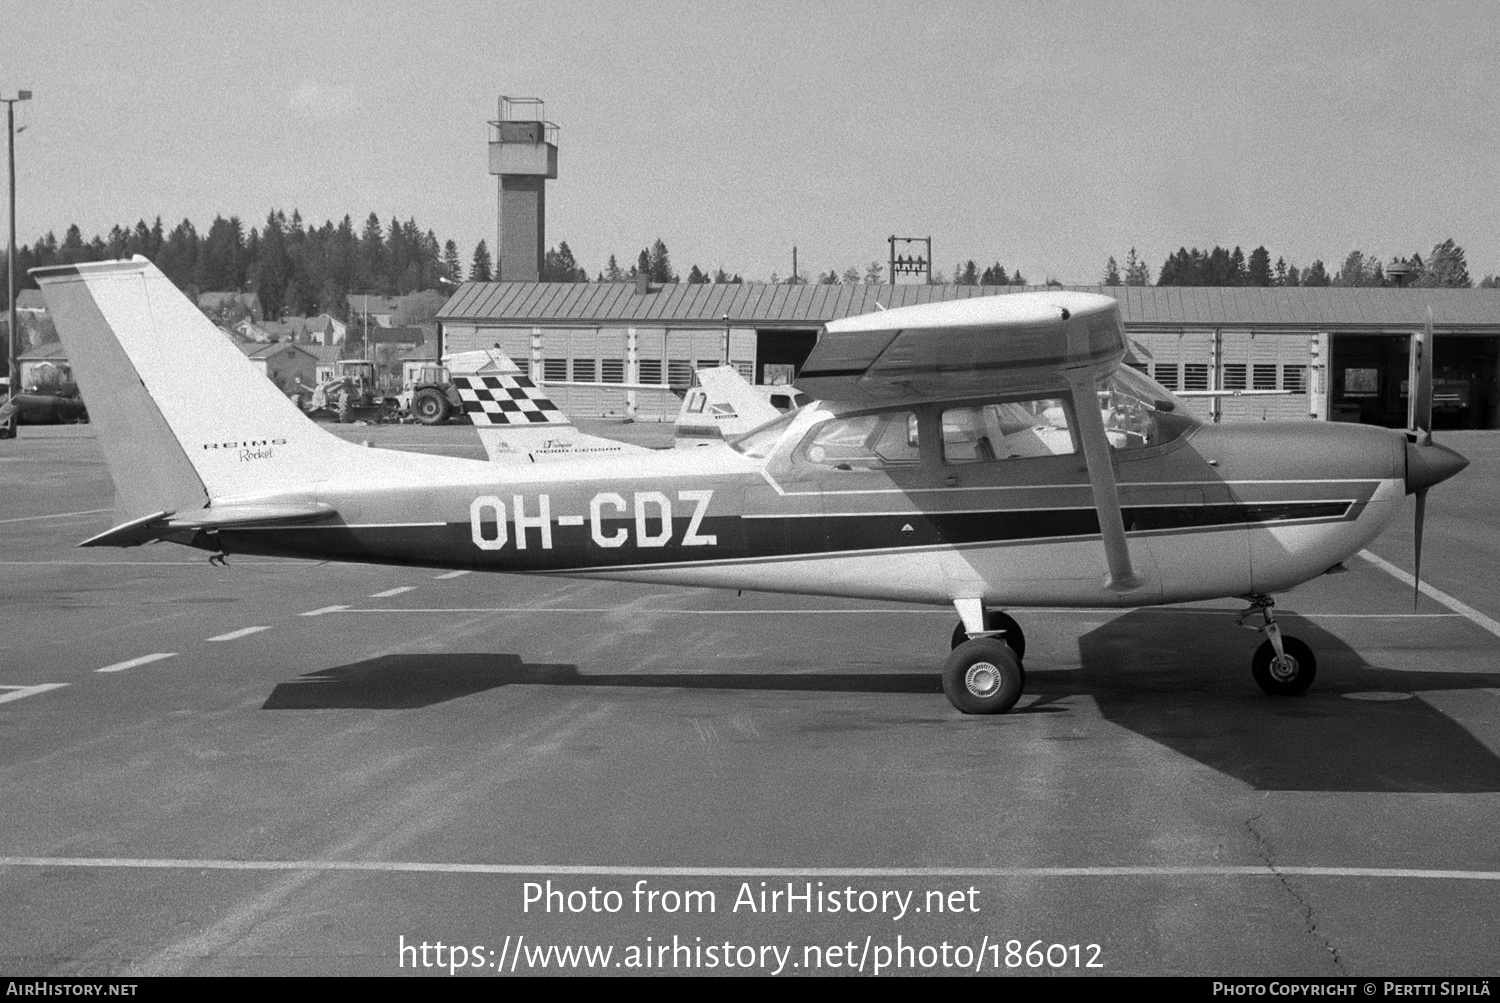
1427,463
1419,419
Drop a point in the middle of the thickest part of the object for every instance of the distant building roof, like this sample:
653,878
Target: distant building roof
397,335
325,354
265,351
754,304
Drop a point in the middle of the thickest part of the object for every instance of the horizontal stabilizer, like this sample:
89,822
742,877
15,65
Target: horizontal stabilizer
151,528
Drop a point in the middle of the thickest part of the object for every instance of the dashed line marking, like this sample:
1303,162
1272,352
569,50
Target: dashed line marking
394,592
143,660
235,635
21,692
1463,609
423,867
451,574
325,609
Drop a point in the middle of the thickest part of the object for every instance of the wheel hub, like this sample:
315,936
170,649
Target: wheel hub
982,679
1284,668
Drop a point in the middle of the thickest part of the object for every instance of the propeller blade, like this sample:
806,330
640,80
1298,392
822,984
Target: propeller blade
1416,587
1419,383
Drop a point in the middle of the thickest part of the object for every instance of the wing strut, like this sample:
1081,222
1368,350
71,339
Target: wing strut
1096,453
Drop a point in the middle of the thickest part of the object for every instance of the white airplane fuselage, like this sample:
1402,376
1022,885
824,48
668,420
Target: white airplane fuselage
1225,510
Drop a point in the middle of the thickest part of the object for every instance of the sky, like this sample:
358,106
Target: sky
1045,136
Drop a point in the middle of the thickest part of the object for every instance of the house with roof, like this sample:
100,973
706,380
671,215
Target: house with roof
326,356
1329,353
284,363
378,310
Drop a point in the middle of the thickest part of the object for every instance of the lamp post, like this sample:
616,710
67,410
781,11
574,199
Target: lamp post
10,256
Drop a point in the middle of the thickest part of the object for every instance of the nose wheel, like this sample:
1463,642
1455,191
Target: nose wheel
1283,666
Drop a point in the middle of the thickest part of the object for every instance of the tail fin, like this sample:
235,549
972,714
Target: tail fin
723,404
516,420
183,417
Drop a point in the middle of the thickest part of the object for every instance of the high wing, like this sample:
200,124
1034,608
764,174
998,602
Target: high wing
984,346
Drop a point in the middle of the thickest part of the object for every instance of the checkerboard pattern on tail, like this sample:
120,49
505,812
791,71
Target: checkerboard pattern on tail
506,400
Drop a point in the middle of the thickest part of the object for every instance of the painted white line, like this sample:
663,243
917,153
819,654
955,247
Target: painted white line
866,612
1462,609
570,520
235,635
21,692
147,564
423,867
143,660
451,574
325,609
59,515
394,592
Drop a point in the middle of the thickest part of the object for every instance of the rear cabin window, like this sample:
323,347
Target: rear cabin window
865,442
1014,430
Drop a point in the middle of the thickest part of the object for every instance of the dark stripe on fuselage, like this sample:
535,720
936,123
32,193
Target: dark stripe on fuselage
574,548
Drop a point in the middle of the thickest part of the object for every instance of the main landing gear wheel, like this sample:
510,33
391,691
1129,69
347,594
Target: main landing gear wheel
983,676
1287,676
996,620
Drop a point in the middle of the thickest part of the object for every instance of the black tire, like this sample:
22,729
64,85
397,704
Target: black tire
996,620
983,676
1289,680
429,406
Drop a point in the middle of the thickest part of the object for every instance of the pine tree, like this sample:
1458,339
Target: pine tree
1111,272
481,269
659,265
1136,271
1447,267
451,266
1315,274
1259,272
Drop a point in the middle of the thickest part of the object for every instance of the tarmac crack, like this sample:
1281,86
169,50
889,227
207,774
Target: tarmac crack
1266,852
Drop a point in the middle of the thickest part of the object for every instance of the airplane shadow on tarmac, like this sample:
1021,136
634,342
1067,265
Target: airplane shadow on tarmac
1183,680
1179,679
420,680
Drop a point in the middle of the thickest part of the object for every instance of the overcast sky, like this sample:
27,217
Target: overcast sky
1047,136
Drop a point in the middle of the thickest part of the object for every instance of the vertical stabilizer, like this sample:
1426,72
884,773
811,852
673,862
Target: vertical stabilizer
183,417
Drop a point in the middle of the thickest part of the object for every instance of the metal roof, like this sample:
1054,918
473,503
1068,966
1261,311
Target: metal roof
754,304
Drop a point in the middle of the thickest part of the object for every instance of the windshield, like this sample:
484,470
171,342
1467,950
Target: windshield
759,442
1138,411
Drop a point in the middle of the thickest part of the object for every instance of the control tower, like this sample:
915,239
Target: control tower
523,153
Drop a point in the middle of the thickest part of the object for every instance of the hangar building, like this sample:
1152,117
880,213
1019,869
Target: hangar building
1341,353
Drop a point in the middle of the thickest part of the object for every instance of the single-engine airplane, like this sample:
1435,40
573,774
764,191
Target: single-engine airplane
988,453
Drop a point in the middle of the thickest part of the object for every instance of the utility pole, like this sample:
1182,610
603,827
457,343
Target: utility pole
10,256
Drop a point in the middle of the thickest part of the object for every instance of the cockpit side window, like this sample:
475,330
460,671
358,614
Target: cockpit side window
987,432
865,442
